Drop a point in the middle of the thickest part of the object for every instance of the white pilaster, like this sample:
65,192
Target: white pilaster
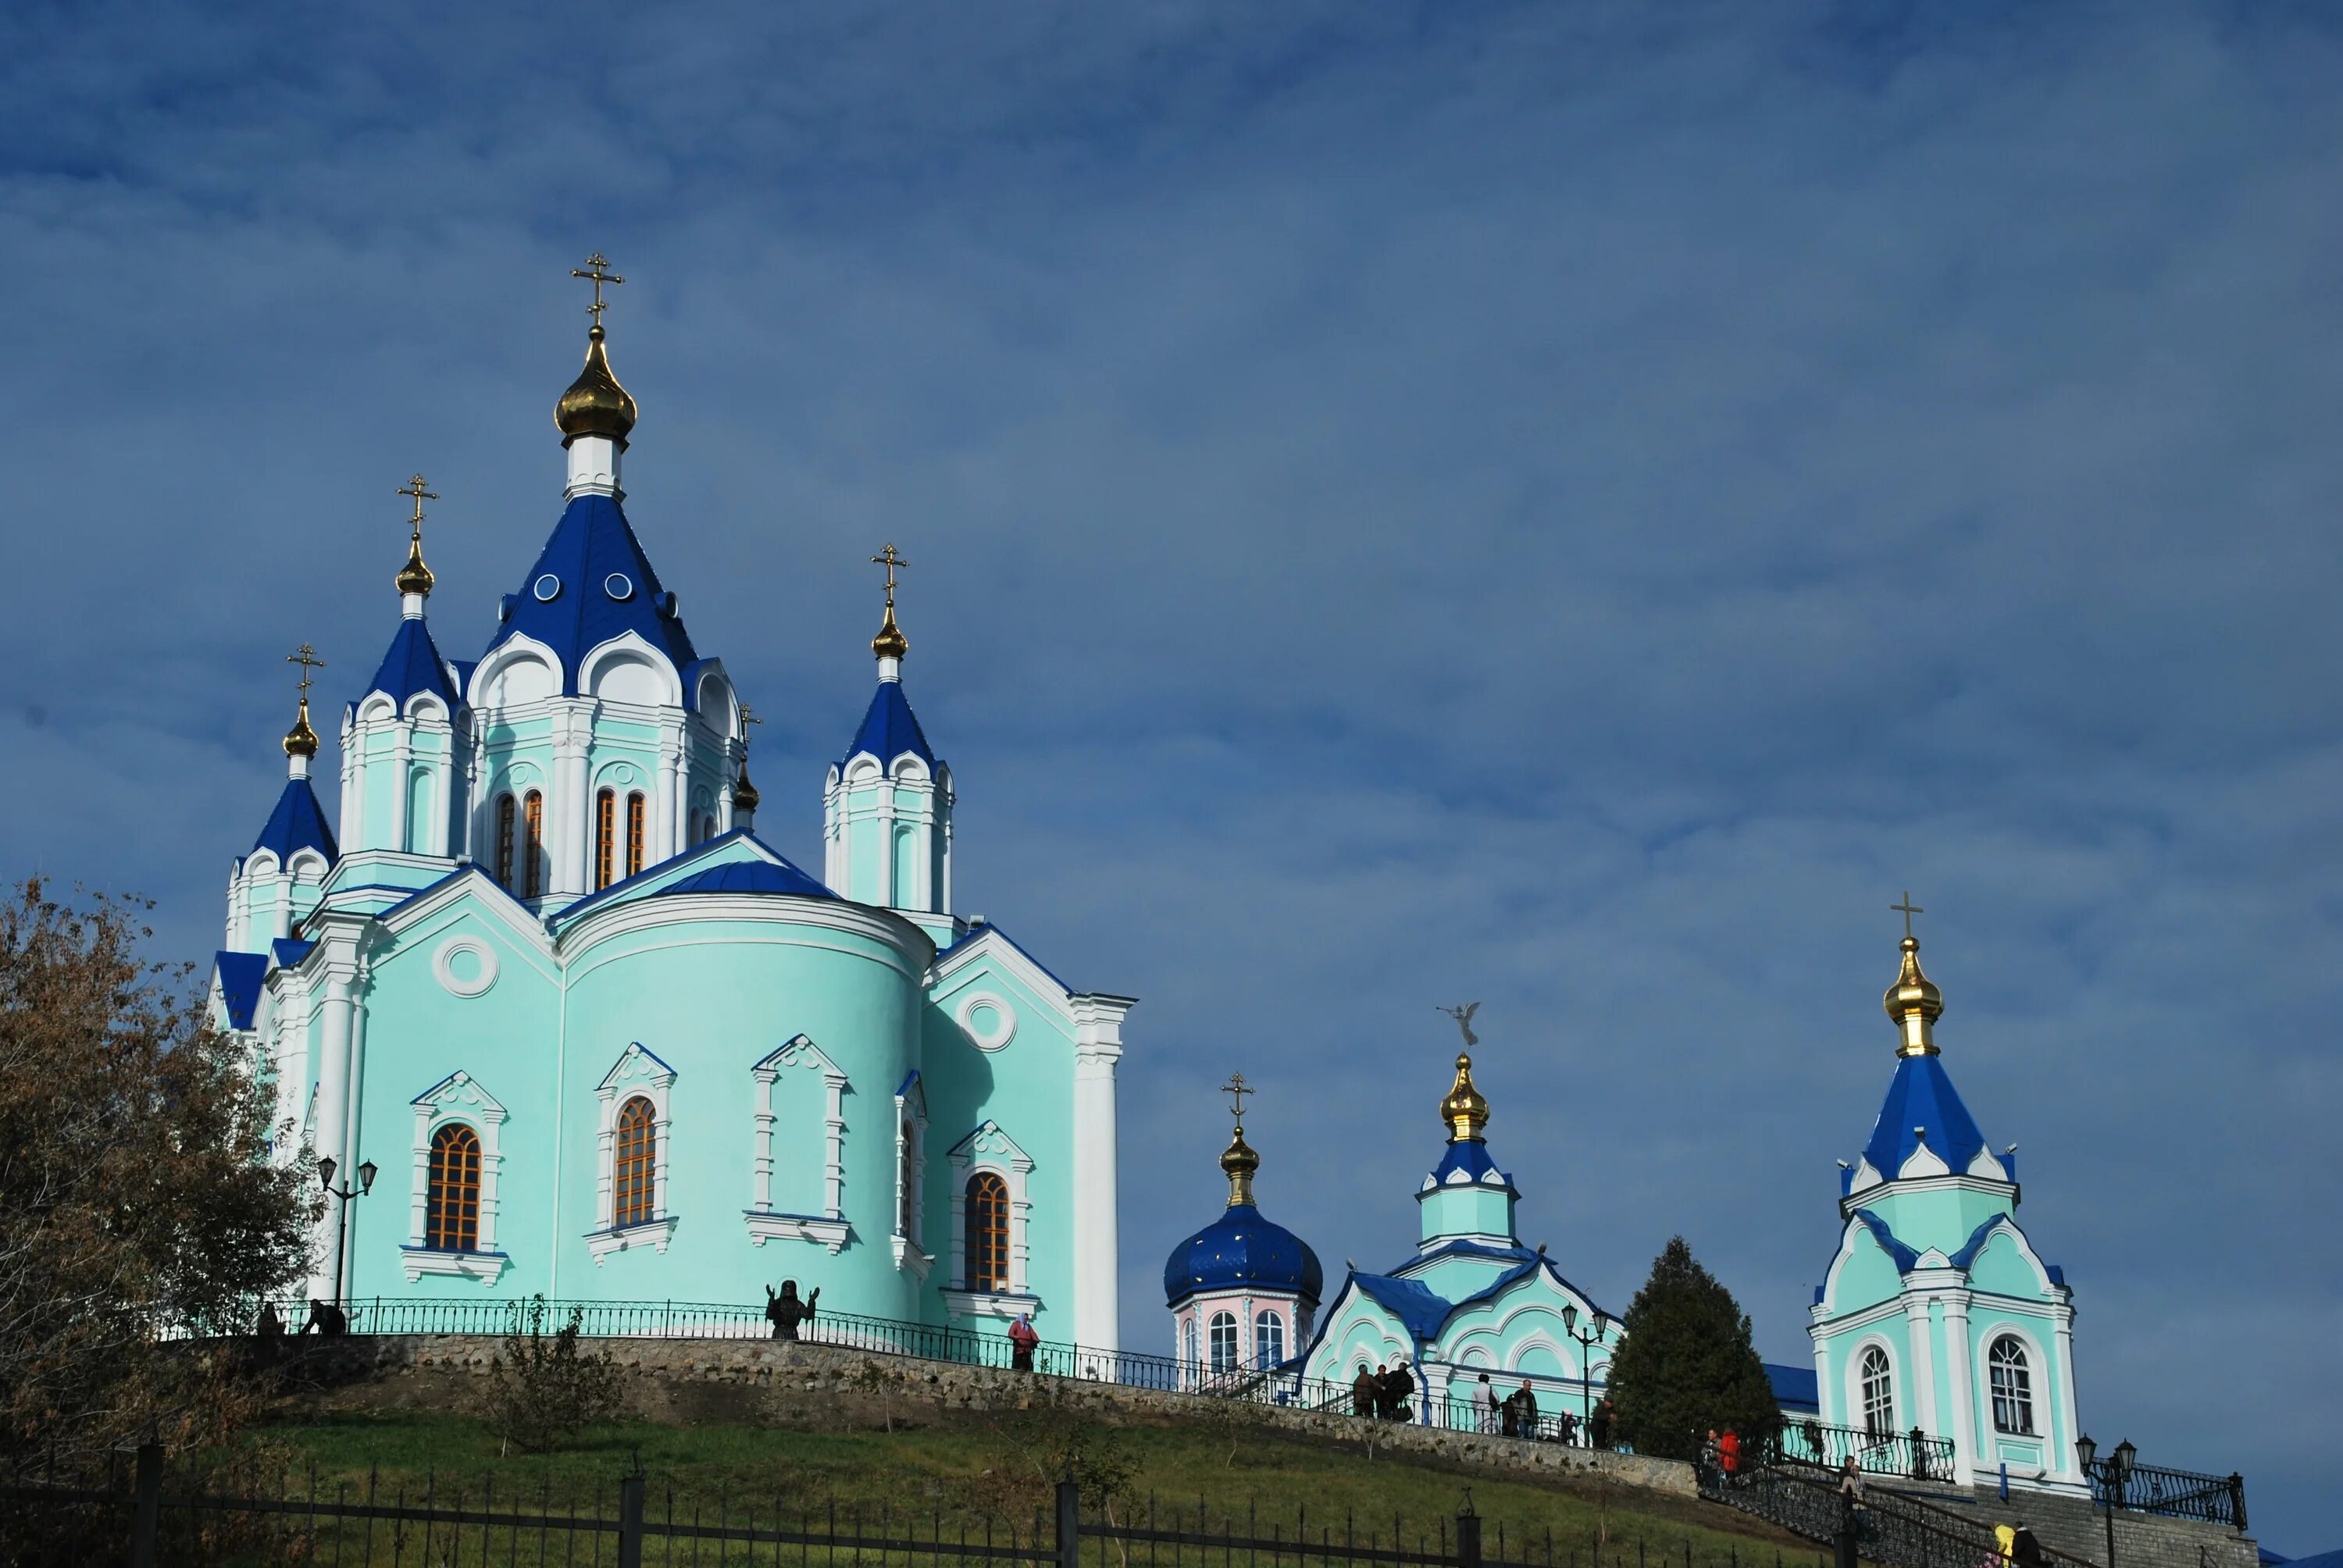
1960,1373
2063,1443
332,1135
1924,1364
402,763
566,807
667,837
1097,1046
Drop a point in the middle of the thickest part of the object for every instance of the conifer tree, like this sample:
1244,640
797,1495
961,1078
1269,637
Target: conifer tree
1686,1364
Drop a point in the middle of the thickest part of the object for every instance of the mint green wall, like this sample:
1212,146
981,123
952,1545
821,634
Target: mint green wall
1473,1210
1457,1278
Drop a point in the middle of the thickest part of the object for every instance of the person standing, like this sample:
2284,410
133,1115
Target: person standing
1850,1479
1484,1406
2004,1538
2023,1550
1568,1429
1021,1342
1598,1426
1728,1455
1364,1389
1403,1393
1526,1409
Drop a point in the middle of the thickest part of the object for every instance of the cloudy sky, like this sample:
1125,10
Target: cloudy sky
1572,506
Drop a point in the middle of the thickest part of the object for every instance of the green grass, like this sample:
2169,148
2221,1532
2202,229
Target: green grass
963,1475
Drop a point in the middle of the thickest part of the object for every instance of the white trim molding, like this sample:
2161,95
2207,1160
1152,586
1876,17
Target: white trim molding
1097,1232
990,1149
764,1222
1006,1305
1004,1029
908,1239
637,1070
455,1098
443,966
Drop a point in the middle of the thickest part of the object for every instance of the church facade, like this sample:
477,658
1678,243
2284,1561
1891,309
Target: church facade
587,1035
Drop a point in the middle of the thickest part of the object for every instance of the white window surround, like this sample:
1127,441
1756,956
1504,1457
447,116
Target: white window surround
639,1071
912,1128
455,1098
1857,1408
766,1223
990,1149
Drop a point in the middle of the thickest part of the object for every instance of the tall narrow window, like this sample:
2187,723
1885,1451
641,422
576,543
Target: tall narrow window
451,1222
987,1240
635,834
905,1198
1878,1393
1187,1337
505,841
633,1178
532,812
1268,1340
2013,1384
606,828
1224,1343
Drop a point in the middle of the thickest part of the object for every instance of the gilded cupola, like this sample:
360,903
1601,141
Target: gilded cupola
594,405
890,644
744,794
301,740
1240,1162
1915,1003
1464,1109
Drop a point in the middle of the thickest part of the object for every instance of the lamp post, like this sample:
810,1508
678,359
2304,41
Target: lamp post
1586,1342
2111,1474
343,1192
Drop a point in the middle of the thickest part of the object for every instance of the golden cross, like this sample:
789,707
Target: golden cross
1907,908
308,660
748,717
596,268
413,488
1236,1088
893,563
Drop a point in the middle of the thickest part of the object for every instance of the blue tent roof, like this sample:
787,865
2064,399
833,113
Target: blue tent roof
288,952
1470,1156
413,664
591,583
297,823
1922,1095
241,976
888,728
1241,1247
748,876
1794,1388
1418,1310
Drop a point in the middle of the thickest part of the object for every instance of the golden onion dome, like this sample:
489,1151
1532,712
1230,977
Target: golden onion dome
1464,1110
890,642
594,405
415,577
744,794
1915,1003
1239,1162
301,740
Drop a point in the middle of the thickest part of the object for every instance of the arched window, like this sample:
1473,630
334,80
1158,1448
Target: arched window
606,830
1268,1340
2013,1386
1187,1337
532,812
451,1222
987,1232
1878,1393
635,834
905,1199
505,841
1224,1343
635,1164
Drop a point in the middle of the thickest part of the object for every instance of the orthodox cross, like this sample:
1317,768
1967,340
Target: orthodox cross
893,563
748,717
308,660
413,488
597,270
1236,1088
1907,908
1463,1017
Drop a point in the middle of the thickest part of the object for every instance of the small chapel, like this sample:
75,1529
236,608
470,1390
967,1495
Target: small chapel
564,1024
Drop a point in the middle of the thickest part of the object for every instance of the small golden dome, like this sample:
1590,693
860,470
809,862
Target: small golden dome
890,642
1915,1003
744,794
415,577
1239,1162
301,740
594,405
1464,1110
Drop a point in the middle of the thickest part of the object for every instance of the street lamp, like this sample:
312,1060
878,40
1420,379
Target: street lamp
345,1192
2111,1473
1601,1325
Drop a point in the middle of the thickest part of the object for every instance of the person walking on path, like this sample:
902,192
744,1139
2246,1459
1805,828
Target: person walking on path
2004,1537
1850,1479
1728,1455
786,1311
2023,1550
1363,1390
327,1318
1484,1406
1022,1341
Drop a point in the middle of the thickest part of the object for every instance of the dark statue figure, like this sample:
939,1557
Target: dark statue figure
786,1311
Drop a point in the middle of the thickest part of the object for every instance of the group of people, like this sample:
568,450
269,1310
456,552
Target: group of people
1516,1415
1386,1393
2014,1544
325,1318
1721,1455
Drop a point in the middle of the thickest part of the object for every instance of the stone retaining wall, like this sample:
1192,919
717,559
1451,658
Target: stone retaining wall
808,1382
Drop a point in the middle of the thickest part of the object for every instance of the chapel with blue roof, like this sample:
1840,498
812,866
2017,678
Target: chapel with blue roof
570,1025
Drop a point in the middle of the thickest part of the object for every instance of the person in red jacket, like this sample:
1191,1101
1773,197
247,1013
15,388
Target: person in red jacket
1728,1455
1022,1341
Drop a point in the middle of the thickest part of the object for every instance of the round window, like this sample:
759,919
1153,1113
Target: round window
548,589
617,586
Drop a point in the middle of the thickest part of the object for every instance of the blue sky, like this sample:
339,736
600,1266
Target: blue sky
1571,506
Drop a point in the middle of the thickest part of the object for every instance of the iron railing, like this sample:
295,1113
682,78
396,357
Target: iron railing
1893,1531
2177,1494
1913,1453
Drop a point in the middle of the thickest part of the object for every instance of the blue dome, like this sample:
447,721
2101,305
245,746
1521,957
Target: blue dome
1241,1248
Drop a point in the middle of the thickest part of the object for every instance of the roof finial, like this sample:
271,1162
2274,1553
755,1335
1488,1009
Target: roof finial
414,579
301,741
596,405
1238,1160
1912,1001
744,794
890,645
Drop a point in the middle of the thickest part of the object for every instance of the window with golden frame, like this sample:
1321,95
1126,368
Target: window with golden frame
532,810
606,828
987,1232
635,834
633,1179
451,1215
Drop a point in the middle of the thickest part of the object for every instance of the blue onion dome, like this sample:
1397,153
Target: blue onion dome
1243,1248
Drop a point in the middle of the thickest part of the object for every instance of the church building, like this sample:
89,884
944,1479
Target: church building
566,1025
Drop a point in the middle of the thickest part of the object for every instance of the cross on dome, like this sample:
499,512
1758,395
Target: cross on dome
415,577
597,271
891,643
1907,908
301,741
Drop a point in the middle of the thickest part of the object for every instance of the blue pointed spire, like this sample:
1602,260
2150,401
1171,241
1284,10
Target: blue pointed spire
1921,1095
299,822
593,582
889,728
412,664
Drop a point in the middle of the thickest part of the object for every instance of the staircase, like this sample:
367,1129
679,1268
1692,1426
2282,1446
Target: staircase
1889,1528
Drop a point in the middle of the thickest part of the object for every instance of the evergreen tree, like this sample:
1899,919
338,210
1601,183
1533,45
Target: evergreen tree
1686,1364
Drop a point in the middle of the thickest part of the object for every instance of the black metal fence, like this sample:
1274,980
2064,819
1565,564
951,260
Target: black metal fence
144,1513
1877,1526
1913,1453
2179,1494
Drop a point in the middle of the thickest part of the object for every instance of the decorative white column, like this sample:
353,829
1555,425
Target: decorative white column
1924,1364
333,1105
1098,1045
1960,1371
667,826
566,808
2063,1443
402,763
353,815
